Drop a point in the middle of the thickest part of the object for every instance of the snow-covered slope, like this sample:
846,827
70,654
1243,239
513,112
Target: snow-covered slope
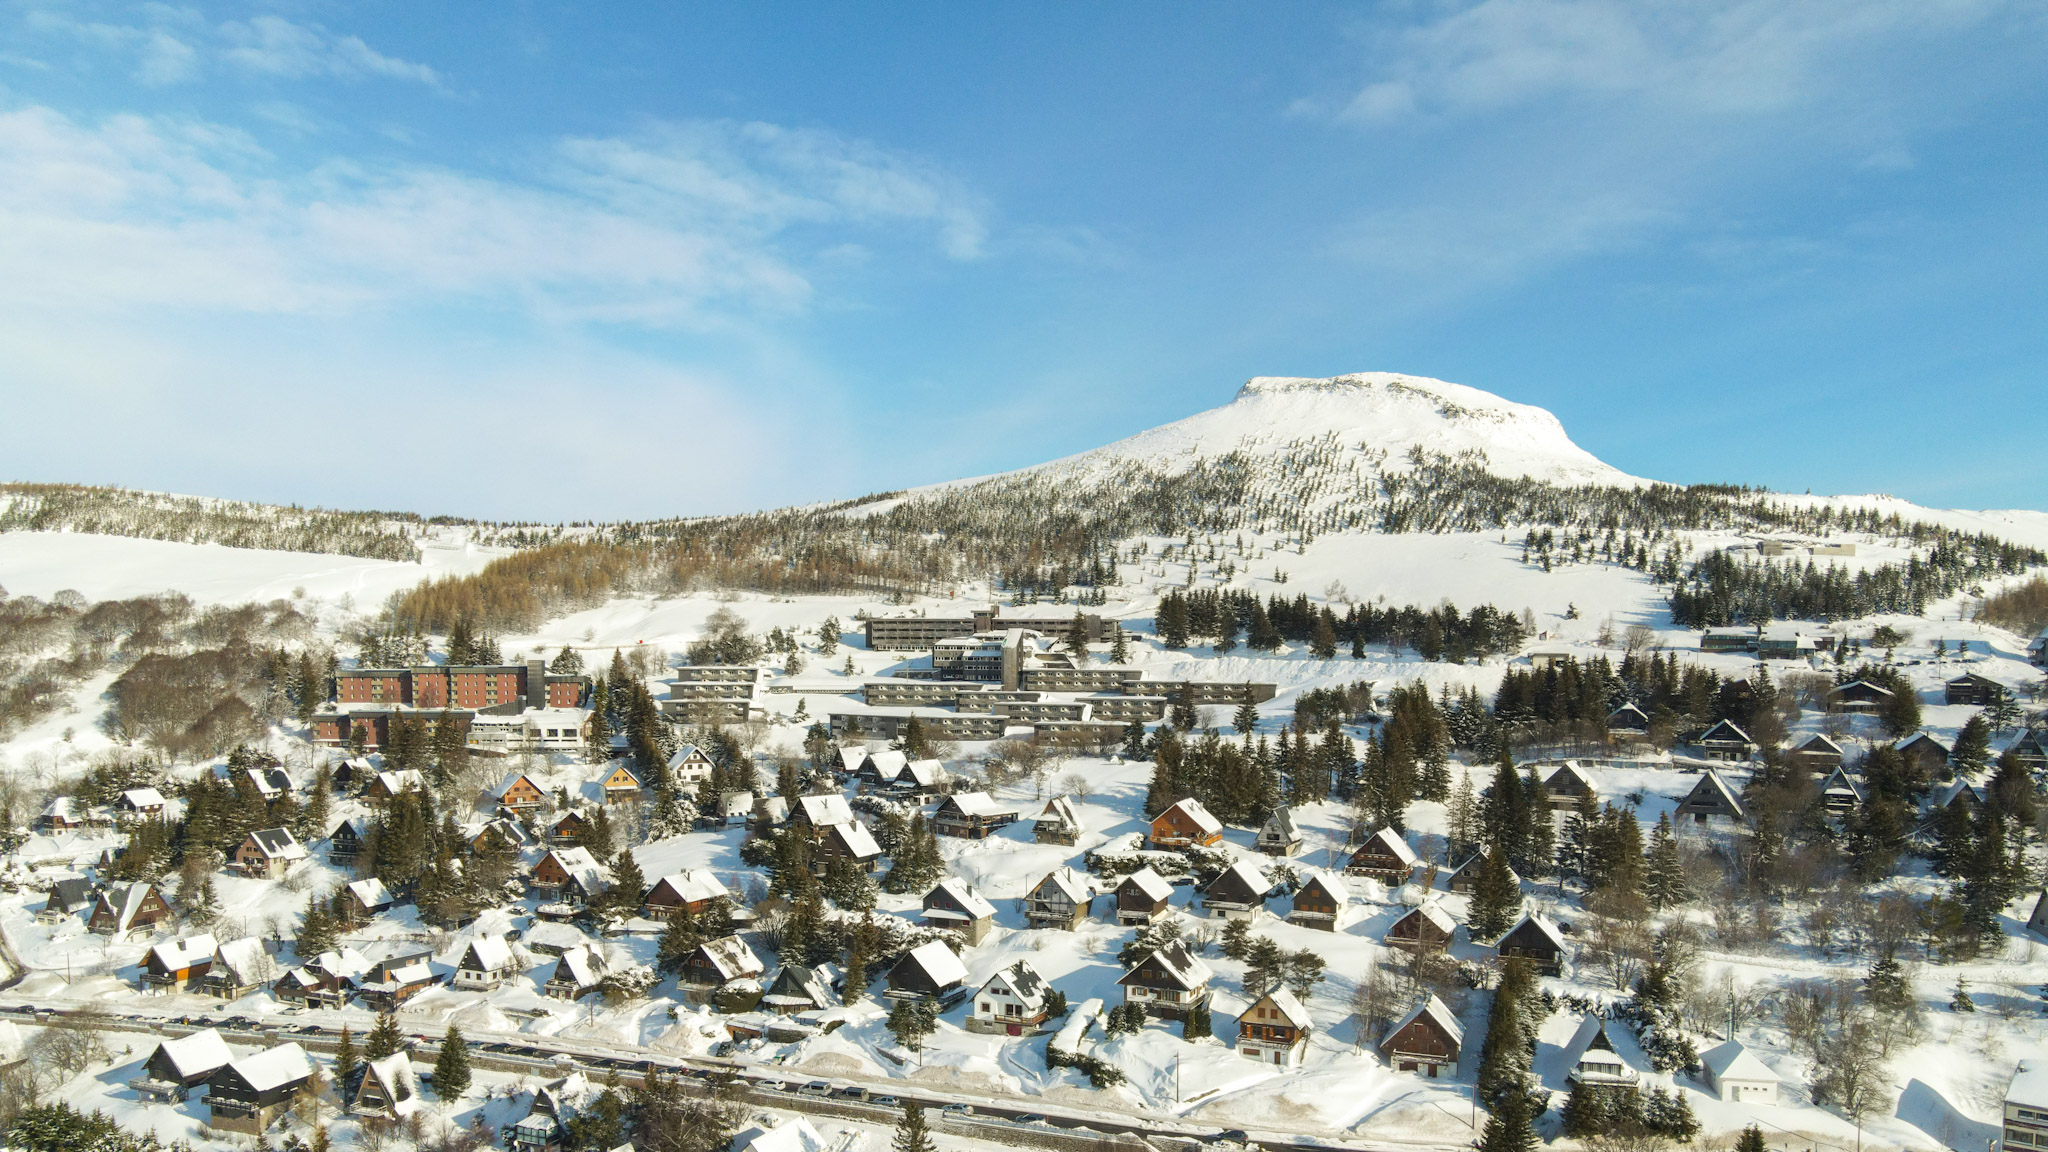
1385,414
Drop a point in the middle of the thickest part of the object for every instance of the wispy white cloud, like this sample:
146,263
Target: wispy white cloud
172,45
681,224
278,47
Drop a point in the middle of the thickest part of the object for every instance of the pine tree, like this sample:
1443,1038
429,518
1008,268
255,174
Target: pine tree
1496,899
1119,646
1323,641
597,746
860,942
346,1057
1664,873
911,1134
828,636
384,1039
678,940
627,884
1195,1025
1751,1140
1463,818
1246,718
1961,1002
451,1066
1509,1125
1540,847
1973,745
316,931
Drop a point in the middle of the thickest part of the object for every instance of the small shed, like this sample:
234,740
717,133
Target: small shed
1735,1074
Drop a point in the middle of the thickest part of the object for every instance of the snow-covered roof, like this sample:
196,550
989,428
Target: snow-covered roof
196,1055
1919,738
825,810
938,962
184,953
1590,1036
401,1084
731,958
1246,873
1437,1012
693,885
1710,782
791,1135
1022,982
490,952
285,1064
1542,924
1280,824
1329,882
850,759
1059,810
278,844
735,804
583,964
344,963
924,773
246,960
1732,1061
403,780
1726,730
887,765
371,892
1438,918
554,934
511,779
685,754
583,869
965,901
1289,1008
1389,841
1178,963
1069,882
1818,741
1196,814
1150,884
858,840
143,798
977,804
2029,1085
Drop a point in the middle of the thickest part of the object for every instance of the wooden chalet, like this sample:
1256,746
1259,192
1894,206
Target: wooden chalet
68,897
326,981
2031,749
486,962
1058,823
1973,689
1426,1041
852,842
930,970
1711,799
389,1089
1839,794
174,966
568,830
1384,856
954,904
396,979
577,974
1142,897
1238,892
1725,740
180,1065
1857,696
1011,1003
365,898
1536,940
796,989
268,853
125,908
1186,824
345,841
518,793
1564,786
1926,754
239,967
249,1094
880,770
714,963
1815,754
1591,1057
1274,1030
62,814
1278,836
388,786
770,813
1321,902
621,786
970,816
140,803
1628,722
2037,920
572,874
696,889
1059,900
816,813
1426,928
1167,981
500,834
1956,794
1465,879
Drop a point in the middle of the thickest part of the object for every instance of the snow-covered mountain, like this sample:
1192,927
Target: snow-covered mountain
1381,415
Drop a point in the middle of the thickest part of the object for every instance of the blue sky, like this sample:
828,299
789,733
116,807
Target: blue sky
541,261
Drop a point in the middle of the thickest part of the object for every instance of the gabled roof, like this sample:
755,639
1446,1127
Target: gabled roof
685,754
797,985
1591,1036
858,841
692,886
1839,689
71,893
1181,966
1950,793
622,776
196,1055
825,810
401,1085
954,898
246,961
1711,789
1280,825
924,773
1149,884
178,954
1289,1008
791,1135
143,798
1068,882
583,869
1569,776
356,825
887,765
342,963
1732,1061
1330,883
513,778
1432,912
1197,815
1539,924
735,804
125,902
1389,841
278,844
1437,1014
1919,738
285,1064
403,780
1059,810
850,759
1818,743
730,957
490,952
370,893
1243,876
975,804
1628,712
938,962
582,965
1838,783
1725,730
1022,982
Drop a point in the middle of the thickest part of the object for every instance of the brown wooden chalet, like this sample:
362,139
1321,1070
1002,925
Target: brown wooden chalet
1384,856
1628,722
852,842
1060,900
249,1094
1973,689
573,873
68,897
714,963
2031,749
1278,836
970,816
268,853
697,890
569,829
387,786
1711,799
930,970
1725,740
1536,940
140,803
365,898
180,1065
1167,981
1564,787
1928,756
1142,897
954,904
1186,824
816,813
1057,823
1426,928
1858,696
345,842
125,908
518,793
1425,1041
1320,902
1465,879
1815,754
176,965
1238,892
1274,1030
398,978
